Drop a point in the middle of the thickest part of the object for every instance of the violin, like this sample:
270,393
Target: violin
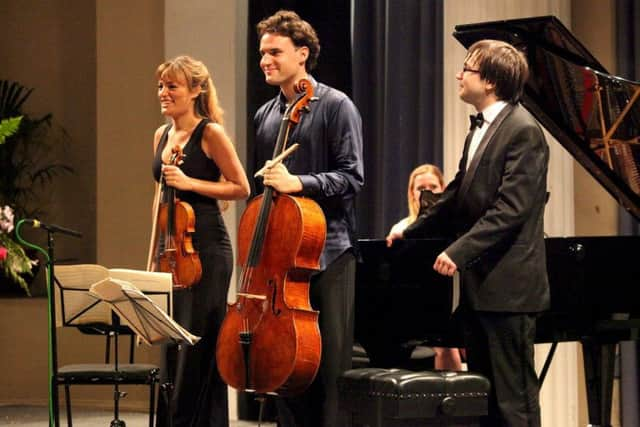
269,341
174,224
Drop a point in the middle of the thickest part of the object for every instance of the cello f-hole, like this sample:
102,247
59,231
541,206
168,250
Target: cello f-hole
274,291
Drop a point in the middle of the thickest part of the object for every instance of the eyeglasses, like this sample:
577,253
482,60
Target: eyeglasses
469,70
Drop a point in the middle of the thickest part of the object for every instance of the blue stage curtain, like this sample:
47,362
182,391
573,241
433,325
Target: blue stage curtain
397,85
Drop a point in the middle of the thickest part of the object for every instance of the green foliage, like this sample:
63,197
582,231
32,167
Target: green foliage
8,127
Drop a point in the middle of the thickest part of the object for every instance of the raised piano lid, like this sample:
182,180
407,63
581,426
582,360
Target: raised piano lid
600,128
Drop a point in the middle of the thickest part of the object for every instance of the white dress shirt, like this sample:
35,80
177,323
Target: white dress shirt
490,113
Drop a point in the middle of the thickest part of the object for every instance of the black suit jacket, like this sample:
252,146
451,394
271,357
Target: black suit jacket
495,212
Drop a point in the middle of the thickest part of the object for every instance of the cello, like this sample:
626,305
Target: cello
269,341
171,249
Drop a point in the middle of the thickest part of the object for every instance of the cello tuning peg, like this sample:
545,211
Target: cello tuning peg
312,99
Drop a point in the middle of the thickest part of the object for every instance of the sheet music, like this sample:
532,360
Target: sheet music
87,294
80,308
152,324
149,283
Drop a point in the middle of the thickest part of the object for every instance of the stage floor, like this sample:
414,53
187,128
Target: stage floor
37,416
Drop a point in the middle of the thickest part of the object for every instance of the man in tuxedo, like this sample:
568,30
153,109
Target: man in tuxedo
494,208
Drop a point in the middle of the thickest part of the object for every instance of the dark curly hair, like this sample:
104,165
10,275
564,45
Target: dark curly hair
287,23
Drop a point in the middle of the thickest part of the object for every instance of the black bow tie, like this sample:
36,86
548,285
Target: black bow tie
476,121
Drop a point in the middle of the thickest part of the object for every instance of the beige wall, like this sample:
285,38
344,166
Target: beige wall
92,65
130,45
50,46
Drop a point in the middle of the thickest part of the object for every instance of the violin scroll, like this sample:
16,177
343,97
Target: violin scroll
177,156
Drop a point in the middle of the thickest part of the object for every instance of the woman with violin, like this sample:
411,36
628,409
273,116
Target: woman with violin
208,172
327,167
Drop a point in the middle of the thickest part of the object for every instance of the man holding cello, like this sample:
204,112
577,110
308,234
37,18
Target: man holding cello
327,168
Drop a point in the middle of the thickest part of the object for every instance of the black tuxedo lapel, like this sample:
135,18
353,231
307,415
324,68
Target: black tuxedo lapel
465,150
471,171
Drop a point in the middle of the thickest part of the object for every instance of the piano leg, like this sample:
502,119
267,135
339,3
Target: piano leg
599,360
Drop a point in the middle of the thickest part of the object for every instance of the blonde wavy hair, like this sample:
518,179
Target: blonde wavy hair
414,205
196,74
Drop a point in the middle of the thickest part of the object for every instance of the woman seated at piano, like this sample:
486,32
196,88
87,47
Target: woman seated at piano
428,177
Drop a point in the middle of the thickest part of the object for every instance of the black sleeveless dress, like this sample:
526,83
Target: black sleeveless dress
200,395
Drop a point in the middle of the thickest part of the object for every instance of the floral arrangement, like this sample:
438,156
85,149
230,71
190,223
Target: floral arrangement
14,262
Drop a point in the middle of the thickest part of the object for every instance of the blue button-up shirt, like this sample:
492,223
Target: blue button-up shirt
328,162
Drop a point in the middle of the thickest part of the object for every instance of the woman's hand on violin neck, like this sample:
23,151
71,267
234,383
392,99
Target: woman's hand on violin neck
174,177
279,178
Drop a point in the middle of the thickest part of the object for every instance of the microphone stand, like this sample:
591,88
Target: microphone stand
53,386
54,411
51,336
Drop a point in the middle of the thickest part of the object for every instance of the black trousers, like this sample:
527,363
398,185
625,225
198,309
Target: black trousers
332,293
500,346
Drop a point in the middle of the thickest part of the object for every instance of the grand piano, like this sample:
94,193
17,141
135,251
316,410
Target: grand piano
594,280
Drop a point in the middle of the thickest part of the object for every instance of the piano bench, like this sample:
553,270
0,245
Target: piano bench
378,397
